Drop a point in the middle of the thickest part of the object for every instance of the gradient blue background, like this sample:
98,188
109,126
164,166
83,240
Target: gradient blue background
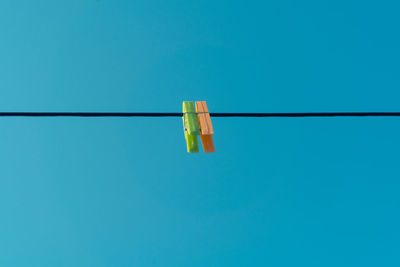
124,192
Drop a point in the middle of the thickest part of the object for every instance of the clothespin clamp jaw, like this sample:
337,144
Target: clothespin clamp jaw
190,126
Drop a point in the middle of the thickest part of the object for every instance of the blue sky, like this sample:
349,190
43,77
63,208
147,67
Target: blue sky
124,192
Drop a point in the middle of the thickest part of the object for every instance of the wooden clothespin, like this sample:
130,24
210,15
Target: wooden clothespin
206,129
191,126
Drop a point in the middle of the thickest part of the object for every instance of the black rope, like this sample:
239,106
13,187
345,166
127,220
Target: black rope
172,114
310,114
90,114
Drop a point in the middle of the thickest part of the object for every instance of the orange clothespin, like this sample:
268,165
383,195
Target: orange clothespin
206,128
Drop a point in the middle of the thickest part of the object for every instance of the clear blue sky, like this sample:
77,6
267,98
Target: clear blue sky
124,192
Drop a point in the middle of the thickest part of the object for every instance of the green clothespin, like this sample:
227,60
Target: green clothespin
191,126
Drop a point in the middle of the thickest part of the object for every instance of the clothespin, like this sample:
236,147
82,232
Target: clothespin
190,126
206,129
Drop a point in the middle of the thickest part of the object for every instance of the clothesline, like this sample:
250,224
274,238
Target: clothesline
177,114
